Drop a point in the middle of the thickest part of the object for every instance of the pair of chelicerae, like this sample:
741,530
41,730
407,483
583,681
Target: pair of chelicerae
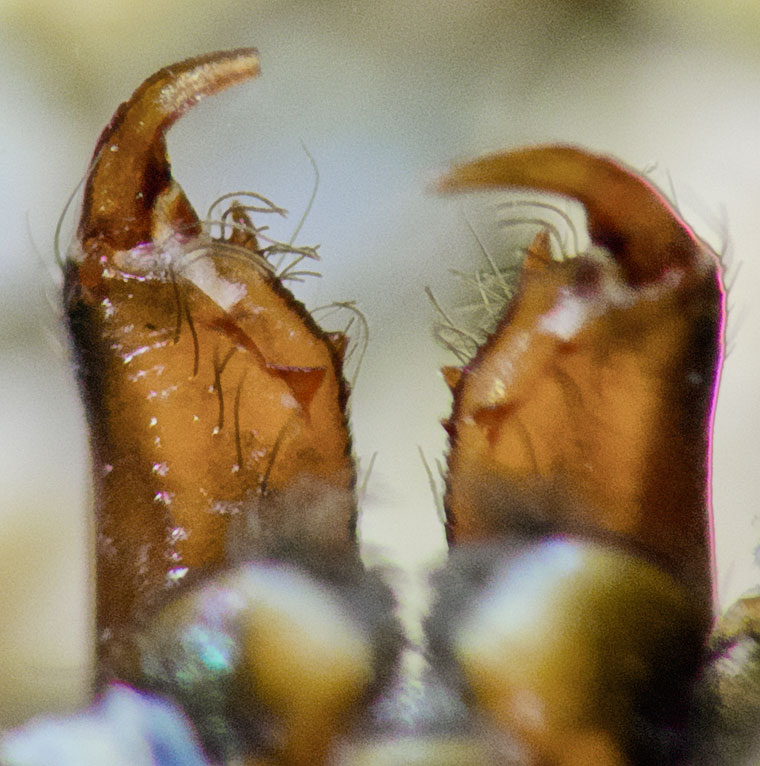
235,620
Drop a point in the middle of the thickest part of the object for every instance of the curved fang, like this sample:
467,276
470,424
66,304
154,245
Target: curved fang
626,215
130,193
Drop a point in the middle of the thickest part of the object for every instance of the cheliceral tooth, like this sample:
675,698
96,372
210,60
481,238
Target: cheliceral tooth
452,376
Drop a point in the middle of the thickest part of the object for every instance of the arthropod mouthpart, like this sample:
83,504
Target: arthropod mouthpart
191,355
602,370
570,622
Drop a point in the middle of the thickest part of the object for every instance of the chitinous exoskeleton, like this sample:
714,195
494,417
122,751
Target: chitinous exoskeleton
590,406
571,620
575,609
208,387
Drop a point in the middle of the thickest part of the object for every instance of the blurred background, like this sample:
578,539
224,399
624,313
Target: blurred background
384,96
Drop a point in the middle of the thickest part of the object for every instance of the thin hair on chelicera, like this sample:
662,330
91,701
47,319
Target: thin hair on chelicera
267,247
464,328
354,326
